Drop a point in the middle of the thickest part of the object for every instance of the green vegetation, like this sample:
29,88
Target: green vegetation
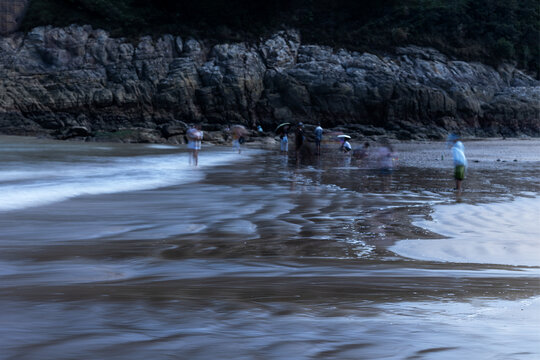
491,31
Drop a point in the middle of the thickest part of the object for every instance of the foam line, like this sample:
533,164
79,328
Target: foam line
29,185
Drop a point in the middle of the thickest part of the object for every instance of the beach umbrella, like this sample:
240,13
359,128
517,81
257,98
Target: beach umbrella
239,130
281,125
343,136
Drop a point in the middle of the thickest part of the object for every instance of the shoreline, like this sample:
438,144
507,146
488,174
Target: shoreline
264,140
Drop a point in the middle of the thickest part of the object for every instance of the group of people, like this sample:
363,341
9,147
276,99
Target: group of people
385,154
194,137
299,137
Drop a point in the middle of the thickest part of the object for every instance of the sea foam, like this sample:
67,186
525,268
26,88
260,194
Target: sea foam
32,184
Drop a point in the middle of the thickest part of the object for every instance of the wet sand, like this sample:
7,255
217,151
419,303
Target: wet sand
261,257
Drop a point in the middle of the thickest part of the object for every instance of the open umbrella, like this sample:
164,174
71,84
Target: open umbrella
343,136
281,125
240,130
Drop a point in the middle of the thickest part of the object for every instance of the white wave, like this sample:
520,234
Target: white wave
35,184
161,146
497,233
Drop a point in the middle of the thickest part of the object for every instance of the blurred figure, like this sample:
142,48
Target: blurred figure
318,138
260,129
283,131
298,139
239,134
361,153
460,161
226,132
386,156
345,146
299,136
194,136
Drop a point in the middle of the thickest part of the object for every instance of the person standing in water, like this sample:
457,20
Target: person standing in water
298,139
318,138
194,136
238,135
345,146
386,156
460,161
284,139
362,153
299,136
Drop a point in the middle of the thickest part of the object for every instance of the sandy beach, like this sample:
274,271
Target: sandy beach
125,251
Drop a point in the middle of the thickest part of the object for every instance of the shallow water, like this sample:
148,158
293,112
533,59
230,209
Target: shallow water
507,233
125,251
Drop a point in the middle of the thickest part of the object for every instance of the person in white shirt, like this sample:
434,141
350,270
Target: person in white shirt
346,146
194,136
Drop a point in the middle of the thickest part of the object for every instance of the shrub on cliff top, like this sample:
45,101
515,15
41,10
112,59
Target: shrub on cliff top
485,30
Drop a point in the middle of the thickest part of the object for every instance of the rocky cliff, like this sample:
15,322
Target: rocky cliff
79,82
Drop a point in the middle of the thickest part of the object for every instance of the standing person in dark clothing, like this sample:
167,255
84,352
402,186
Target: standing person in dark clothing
299,138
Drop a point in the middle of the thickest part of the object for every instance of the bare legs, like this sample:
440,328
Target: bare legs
458,186
194,157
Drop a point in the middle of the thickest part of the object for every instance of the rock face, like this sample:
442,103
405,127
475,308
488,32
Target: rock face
79,82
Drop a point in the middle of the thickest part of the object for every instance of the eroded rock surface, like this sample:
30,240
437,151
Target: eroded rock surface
80,82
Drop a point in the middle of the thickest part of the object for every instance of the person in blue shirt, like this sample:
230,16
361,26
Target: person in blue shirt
460,160
318,138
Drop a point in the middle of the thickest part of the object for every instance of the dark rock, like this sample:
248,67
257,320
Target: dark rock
404,135
173,130
214,137
78,131
130,135
55,79
50,122
211,127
